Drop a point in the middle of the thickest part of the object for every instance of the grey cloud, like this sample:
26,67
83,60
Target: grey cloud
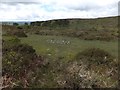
15,2
92,6
84,8
19,1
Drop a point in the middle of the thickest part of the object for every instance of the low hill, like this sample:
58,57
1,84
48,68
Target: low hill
98,23
87,29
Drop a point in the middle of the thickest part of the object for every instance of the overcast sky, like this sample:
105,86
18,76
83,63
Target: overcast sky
38,10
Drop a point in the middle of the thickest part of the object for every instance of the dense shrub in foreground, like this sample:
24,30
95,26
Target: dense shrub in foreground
19,63
98,66
96,56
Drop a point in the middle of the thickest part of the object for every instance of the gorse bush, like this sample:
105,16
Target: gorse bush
101,63
95,55
16,60
9,44
19,61
19,34
78,76
91,68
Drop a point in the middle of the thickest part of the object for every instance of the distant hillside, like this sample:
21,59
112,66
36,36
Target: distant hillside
11,23
87,29
77,24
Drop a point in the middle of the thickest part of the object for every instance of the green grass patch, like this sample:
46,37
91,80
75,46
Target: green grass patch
58,50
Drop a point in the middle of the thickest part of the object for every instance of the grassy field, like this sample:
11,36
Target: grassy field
68,49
